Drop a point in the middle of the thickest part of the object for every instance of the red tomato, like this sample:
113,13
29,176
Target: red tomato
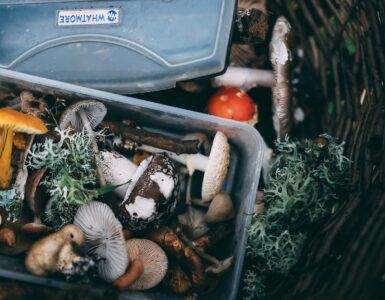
231,103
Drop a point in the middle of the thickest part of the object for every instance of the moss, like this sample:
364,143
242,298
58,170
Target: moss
304,185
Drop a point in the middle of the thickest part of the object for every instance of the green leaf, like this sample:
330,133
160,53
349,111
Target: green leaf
109,188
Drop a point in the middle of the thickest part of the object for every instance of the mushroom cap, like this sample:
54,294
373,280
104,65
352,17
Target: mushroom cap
94,110
154,260
104,238
217,166
232,103
116,170
151,195
221,209
72,233
20,122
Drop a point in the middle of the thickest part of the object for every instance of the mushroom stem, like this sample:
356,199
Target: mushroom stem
244,78
218,267
280,59
134,271
5,158
202,254
141,136
91,133
192,161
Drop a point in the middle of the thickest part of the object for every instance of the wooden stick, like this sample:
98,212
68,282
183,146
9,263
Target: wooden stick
157,140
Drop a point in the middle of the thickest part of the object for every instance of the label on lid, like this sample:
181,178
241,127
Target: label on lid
91,16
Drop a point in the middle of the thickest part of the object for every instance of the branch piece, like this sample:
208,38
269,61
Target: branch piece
187,257
157,140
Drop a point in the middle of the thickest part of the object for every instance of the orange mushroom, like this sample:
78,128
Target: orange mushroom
233,103
12,121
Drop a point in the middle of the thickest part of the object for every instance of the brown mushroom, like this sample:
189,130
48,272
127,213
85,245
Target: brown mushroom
148,266
12,121
37,202
221,209
42,258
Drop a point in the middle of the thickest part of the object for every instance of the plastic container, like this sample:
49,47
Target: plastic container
128,46
242,183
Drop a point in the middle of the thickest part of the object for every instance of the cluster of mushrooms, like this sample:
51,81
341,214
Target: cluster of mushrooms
160,225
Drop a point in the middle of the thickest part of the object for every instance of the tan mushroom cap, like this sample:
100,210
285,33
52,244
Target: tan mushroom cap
221,209
154,260
19,122
217,167
94,110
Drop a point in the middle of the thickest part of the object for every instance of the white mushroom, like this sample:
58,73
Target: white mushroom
244,78
116,170
103,238
215,166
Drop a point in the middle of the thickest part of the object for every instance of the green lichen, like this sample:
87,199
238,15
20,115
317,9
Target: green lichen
71,175
304,185
10,201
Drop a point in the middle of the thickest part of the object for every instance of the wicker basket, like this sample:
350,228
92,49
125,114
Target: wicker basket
343,44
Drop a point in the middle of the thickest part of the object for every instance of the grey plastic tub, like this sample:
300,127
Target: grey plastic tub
247,150
124,46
